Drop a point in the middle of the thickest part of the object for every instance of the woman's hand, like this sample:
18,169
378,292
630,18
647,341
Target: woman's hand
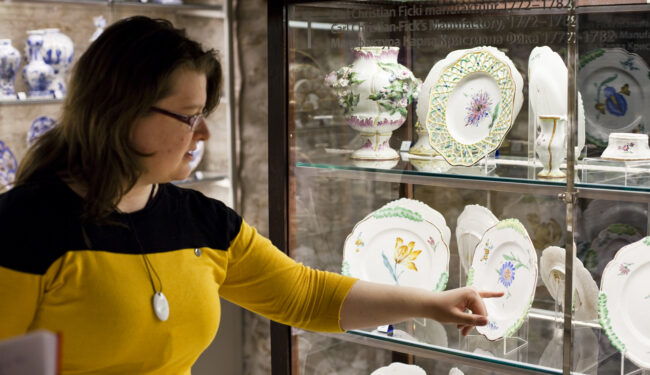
463,306
371,304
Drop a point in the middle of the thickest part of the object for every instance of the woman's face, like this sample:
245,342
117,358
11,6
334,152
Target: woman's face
170,140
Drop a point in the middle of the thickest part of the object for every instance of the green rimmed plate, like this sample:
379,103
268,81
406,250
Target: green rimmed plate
473,104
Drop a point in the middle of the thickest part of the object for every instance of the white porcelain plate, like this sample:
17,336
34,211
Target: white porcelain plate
470,227
428,213
615,87
473,105
505,260
624,301
397,246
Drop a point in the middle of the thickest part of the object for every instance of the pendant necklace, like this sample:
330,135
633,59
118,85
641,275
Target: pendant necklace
159,301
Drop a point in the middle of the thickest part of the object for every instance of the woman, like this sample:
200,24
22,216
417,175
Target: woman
129,268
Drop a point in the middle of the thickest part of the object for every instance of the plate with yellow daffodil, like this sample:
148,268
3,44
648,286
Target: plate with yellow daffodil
505,261
396,245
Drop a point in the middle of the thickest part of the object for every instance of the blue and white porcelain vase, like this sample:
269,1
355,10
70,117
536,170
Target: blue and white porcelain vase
38,76
168,2
57,52
375,92
9,64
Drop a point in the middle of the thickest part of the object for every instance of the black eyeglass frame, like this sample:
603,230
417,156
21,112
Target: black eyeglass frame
191,121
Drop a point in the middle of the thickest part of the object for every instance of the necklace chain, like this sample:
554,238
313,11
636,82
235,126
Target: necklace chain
147,262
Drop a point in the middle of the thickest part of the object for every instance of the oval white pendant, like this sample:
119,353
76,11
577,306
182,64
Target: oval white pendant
160,306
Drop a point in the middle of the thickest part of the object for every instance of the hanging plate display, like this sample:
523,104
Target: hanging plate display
473,104
505,260
395,245
624,301
615,87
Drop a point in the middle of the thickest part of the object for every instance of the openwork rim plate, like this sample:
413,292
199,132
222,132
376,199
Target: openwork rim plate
472,63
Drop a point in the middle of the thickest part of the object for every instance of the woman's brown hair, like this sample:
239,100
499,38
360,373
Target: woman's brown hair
116,81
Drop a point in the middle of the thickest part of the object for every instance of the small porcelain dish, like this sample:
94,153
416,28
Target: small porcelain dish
627,147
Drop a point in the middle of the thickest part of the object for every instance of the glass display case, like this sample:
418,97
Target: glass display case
522,124
27,110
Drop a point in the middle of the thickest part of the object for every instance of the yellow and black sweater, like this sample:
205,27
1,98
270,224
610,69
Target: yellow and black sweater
99,299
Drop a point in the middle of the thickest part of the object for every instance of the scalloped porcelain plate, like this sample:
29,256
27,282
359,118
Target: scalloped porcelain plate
472,223
395,245
505,260
428,213
473,104
624,301
615,87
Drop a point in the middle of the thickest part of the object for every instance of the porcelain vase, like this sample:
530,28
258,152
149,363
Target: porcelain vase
551,145
57,52
374,92
38,76
9,64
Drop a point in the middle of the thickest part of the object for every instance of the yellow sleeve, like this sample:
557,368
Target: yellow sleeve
19,296
263,279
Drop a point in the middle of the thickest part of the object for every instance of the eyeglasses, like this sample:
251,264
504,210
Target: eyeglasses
192,121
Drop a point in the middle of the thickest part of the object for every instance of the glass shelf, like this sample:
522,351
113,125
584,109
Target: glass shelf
595,178
29,101
528,351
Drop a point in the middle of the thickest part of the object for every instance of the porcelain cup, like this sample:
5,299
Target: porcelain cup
627,146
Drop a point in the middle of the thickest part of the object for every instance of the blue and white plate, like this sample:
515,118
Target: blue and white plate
8,166
39,127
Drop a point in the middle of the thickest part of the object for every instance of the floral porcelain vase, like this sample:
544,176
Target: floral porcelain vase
57,52
38,75
9,64
551,145
374,92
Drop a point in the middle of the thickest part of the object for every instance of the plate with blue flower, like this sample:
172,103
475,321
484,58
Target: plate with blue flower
8,166
40,126
397,246
505,261
615,88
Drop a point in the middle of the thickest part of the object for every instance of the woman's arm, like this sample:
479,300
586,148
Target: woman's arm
371,304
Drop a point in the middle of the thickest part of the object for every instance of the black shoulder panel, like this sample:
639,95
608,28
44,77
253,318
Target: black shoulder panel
39,223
